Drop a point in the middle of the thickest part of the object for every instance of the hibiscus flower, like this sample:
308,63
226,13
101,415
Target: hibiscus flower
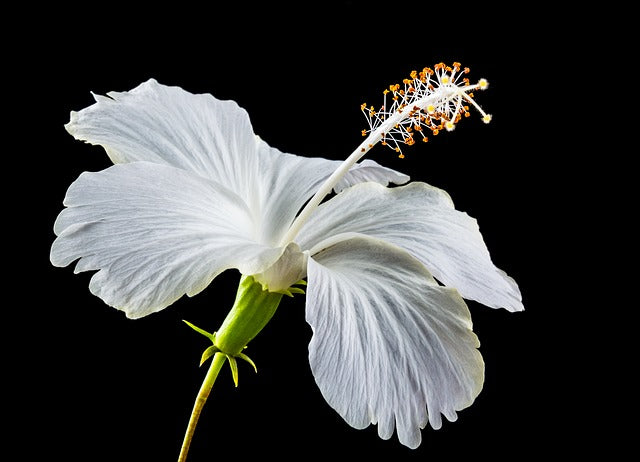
194,192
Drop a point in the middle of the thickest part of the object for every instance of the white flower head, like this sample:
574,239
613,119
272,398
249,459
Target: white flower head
195,192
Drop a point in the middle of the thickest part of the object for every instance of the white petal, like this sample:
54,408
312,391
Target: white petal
214,139
287,182
369,170
168,125
289,269
155,233
390,346
422,220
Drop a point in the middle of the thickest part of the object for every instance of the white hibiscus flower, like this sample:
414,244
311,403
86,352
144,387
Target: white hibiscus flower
195,192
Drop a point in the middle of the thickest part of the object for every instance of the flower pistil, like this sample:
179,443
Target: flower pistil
428,101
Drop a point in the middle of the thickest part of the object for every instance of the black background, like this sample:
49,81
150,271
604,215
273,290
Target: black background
94,385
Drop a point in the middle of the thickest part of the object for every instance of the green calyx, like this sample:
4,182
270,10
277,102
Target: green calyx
213,349
253,308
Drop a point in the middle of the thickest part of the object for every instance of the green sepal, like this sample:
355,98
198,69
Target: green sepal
209,352
290,291
247,359
234,368
209,335
301,282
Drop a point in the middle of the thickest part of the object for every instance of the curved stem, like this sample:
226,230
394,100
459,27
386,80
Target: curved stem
203,394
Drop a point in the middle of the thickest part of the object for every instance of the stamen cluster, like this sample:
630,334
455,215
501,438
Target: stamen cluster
428,101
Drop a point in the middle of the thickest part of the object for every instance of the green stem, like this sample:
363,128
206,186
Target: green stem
203,394
251,311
